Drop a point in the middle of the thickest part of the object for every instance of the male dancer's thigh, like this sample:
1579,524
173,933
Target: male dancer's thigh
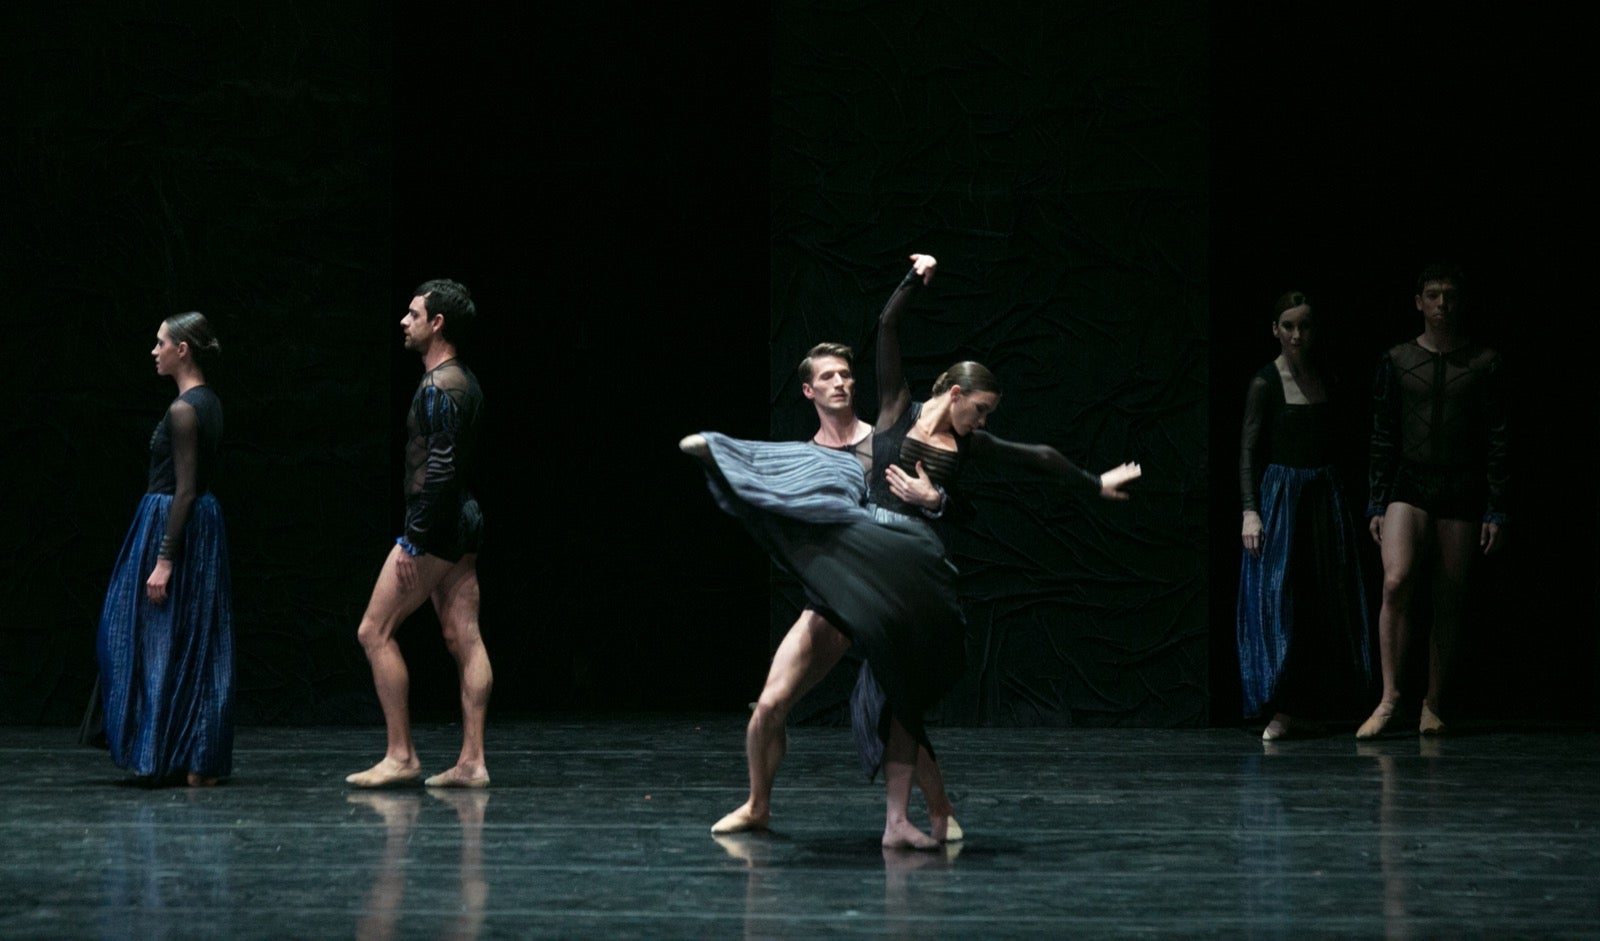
455,597
808,651
1405,533
392,602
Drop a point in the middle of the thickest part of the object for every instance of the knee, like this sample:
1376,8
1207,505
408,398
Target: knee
373,633
770,713
1396,586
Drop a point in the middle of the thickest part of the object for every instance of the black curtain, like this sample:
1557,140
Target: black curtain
1115,192
1053,157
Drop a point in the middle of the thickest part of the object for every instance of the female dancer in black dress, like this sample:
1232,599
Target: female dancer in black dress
166,631
1302,618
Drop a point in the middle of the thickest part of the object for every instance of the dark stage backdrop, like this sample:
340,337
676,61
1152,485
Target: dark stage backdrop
227,158
294,170
1053,157
1348,152
1093,177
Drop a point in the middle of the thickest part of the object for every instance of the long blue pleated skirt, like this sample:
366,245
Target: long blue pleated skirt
166,671
1303,625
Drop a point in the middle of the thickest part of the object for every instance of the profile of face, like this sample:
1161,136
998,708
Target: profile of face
832,386
1294,330
1439,302
419,328
166,353
970,411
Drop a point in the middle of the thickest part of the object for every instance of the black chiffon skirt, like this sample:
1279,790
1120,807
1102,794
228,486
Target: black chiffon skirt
885,585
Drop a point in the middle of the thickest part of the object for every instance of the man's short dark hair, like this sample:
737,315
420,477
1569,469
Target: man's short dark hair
824,349
441,296
1440,271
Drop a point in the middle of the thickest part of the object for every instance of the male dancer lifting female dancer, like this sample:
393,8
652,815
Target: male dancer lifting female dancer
877,577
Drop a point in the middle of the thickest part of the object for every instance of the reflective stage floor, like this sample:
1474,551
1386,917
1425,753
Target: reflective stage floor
599,828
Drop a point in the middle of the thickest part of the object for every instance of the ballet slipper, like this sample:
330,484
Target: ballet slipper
1277,728
1430,723
385,773
1375,723
455,777
740,821
952,831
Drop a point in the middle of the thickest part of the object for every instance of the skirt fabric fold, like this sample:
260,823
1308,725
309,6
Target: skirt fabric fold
1302,621
166,671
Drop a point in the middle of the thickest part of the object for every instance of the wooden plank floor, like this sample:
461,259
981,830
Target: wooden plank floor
598,828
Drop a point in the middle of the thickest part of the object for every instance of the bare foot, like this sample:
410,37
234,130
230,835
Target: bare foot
197,780
902,835
460,776
1380,717
1277,728
386,773
741,820
945,829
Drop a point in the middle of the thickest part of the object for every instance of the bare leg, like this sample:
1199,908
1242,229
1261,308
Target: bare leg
1456,541
941,813
807,653
1404,538
389,606
456,600
899,764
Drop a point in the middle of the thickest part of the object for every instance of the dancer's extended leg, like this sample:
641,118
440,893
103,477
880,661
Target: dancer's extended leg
807,653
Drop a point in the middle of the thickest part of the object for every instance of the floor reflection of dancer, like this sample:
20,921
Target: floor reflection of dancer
768,486
1440,476
386,899
1302,618
437,556
165,642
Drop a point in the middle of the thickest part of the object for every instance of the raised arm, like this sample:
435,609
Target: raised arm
1046,460
184,427
894,396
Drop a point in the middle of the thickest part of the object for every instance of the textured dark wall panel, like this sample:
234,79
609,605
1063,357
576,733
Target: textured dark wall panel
1053,157
234,161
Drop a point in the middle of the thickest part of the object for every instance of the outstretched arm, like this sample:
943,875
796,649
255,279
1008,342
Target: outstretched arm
893,393
1047,460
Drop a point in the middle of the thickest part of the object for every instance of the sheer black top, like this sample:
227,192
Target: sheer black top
1448,411
441,448
183,457
1276,432
893,444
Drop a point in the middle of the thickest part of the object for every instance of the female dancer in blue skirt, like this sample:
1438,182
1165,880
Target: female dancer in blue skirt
1302,623
166,631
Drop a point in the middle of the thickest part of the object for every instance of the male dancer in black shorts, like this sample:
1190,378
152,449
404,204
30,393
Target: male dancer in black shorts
1439,479
437,556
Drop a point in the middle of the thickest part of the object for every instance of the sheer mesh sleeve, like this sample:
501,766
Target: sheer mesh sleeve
893,393
434,455
184,426
1037,457
1497,407
1252,443
1385,445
